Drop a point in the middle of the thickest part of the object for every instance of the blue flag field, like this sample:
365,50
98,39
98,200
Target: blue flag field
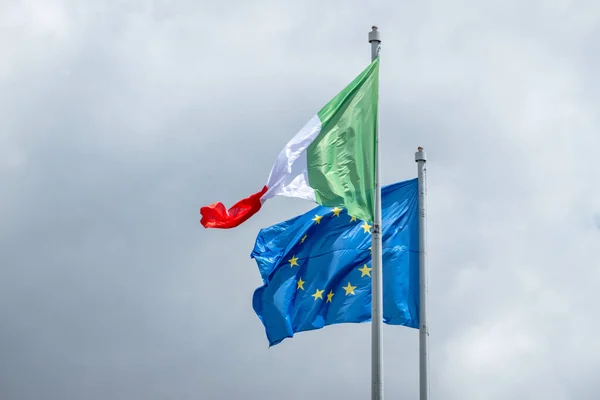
316,267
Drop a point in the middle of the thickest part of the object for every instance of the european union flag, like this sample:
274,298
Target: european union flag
316,267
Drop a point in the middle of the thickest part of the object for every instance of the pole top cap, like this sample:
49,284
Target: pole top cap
374,34
420,155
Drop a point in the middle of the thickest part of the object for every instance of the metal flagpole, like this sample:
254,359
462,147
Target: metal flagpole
377,287
421,159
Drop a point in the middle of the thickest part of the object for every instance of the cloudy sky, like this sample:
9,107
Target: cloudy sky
118,120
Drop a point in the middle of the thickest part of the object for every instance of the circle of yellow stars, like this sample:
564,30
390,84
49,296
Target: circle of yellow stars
349,289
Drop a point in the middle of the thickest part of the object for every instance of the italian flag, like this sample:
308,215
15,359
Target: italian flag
330,161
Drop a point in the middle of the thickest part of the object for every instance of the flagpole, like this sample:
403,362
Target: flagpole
376,283
421,159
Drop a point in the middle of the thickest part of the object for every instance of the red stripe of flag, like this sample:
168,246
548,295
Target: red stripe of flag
216,216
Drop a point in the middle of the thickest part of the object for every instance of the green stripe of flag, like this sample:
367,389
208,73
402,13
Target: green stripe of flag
341,159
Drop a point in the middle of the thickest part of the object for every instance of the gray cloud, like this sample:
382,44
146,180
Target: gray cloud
119,120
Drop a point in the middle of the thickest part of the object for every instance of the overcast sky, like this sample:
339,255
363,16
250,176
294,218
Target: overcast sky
119,119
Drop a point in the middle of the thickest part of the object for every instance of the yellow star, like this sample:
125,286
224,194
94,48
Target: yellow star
293,261
337,211
366,227
329,296
317,219
304,238
352,219
318,294
365,271
349,289
300,284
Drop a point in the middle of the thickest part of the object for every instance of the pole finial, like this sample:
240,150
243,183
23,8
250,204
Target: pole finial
374,35
420,155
